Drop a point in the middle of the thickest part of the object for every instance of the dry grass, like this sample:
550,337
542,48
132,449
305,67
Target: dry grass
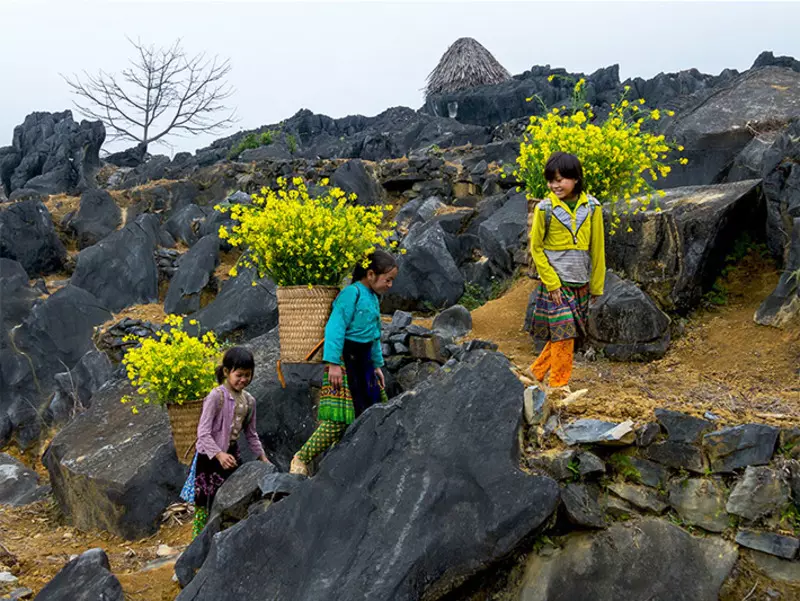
60,204
226,261
450,209
153,312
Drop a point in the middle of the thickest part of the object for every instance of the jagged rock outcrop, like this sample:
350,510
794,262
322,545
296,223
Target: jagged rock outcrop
677,254
51,154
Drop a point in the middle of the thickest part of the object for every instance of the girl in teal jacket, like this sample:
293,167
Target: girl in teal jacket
353,380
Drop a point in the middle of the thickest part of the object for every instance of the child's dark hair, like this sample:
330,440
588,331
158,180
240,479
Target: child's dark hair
380,262
566,165
236,357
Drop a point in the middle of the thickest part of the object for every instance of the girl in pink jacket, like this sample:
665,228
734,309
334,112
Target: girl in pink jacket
227,410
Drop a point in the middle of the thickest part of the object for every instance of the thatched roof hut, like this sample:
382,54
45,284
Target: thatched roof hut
466,64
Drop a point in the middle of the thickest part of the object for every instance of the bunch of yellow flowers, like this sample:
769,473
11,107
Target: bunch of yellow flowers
616,155
300,239
172,368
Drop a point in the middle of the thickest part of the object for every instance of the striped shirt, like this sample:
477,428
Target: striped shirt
571,266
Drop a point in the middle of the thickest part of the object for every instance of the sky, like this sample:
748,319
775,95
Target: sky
340,58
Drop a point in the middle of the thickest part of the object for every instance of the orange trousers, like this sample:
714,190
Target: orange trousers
556,357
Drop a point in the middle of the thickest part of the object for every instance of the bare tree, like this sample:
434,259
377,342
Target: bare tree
163,92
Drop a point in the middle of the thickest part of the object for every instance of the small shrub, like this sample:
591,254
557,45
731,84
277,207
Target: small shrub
250,142
623,466
473,296
291,143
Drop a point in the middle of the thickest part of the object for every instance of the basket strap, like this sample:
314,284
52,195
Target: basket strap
191,449
315,349
280,373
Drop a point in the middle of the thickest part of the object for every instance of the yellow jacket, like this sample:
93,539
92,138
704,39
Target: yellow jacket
584,232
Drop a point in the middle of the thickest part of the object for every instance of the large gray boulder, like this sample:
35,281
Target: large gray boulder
505,231
120,270
74,388
783,304
115,471
421,494
722,123
185,223
676,255
195,270
781,173
51,337
18,484
241,311
88,577
241,490
626,324
453,322
643,559
17,298
27,235
428,276
354,177
51,154
98,216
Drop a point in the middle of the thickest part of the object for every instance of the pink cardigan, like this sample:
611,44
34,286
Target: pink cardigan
214,428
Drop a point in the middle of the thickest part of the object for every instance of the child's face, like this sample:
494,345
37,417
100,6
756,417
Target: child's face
238,379
562,187
383,282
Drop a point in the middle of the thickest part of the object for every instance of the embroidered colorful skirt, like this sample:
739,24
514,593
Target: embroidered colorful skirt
554,321
360,389
210,475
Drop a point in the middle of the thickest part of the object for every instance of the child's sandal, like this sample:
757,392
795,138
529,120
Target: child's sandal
298,467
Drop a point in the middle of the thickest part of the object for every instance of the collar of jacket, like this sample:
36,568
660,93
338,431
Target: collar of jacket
556,201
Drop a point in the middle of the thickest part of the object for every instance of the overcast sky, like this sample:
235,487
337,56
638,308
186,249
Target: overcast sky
360,58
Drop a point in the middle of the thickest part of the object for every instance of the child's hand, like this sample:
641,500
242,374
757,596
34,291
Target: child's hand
264,459
335,376
379,375
228,462
593,299
556,296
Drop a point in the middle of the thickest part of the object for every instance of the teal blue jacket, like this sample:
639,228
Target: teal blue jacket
359,322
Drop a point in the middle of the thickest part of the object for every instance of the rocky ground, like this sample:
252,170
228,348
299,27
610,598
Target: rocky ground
723,363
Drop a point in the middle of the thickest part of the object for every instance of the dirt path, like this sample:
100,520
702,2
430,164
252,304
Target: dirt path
724,362
40,544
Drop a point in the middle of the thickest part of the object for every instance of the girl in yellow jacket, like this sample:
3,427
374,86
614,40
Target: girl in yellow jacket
568,248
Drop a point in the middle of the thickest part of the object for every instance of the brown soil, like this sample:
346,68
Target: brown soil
40,543
724,362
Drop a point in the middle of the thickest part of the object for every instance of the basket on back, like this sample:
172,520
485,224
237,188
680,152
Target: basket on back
303,313
183,420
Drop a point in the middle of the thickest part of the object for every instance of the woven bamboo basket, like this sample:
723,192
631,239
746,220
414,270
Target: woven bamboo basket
183,421
302,315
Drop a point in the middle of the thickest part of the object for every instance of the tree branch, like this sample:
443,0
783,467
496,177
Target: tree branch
162,90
